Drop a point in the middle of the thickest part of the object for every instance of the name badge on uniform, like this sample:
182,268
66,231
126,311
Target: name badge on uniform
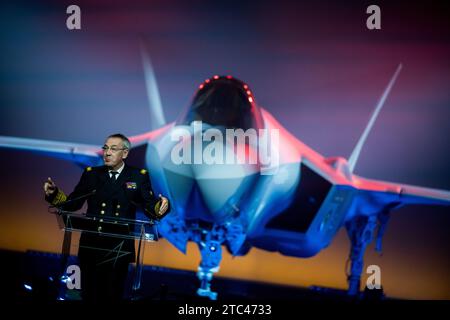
131,185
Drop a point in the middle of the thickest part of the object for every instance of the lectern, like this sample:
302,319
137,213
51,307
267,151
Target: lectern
141,231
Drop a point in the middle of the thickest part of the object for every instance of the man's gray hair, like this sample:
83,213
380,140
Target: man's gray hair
125,140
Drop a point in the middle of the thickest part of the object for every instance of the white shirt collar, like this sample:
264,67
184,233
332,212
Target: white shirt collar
118,170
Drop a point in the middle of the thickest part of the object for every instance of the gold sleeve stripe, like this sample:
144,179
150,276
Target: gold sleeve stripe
59,198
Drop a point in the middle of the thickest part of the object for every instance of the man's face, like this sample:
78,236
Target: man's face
114,153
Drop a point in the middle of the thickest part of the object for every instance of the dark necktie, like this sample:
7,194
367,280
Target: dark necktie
113,175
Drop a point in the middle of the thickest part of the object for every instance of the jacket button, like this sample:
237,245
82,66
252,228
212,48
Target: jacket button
99,228
103,204
118,206
117,213
102,212
101,220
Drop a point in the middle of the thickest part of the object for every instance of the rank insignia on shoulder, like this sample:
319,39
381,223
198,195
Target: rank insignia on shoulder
89,169
143,171
131,185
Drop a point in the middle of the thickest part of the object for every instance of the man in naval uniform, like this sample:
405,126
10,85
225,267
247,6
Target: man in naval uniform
112,190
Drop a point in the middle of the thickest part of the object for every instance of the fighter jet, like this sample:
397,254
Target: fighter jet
238,179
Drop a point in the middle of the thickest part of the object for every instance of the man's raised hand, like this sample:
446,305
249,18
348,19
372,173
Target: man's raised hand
49,187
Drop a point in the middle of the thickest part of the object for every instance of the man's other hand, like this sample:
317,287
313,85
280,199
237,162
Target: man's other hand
164,205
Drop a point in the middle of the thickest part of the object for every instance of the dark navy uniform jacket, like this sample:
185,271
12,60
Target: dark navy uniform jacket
108,198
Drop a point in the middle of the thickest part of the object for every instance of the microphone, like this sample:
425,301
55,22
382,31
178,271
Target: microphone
74,199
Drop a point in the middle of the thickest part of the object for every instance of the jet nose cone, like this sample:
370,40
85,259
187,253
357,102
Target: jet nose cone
211,176
223,187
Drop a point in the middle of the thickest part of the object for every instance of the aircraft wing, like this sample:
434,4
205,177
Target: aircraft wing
381,193
81,154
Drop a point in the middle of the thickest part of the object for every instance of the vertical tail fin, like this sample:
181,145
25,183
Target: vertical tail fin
154,99
355,154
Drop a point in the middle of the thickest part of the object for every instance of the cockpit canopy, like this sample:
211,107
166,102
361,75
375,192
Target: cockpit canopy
224,101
